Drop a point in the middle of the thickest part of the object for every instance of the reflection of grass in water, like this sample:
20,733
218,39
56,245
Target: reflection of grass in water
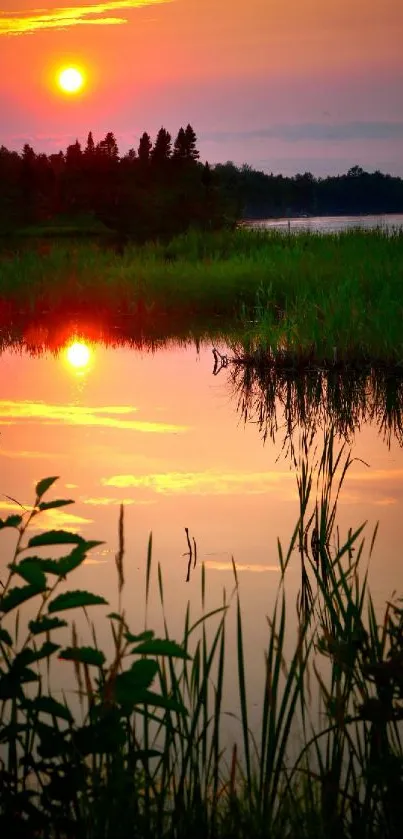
281,399
146,759
335,296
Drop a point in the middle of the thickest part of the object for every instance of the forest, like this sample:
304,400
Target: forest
162,188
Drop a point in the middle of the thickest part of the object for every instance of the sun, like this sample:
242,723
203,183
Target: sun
78,355
71,80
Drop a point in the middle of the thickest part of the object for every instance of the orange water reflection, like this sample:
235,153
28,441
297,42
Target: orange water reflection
158,432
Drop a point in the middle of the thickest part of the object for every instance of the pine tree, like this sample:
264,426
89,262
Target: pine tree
144,150
180,145
109,146
90,147
162,147
191,148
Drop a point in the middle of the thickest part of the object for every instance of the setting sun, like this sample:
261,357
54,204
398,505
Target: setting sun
71,80
78,355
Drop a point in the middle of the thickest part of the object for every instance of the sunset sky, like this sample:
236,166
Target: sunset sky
285,87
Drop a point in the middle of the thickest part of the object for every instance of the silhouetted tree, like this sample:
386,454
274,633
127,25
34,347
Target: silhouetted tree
90,147
162,147
190,146
144,150
180,146
109,147
73,155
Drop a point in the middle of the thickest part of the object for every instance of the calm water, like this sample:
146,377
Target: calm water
331,224
163,435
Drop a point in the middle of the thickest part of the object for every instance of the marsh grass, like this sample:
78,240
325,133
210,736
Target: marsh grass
311,297
147,758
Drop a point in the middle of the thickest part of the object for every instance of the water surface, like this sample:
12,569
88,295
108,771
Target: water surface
331,224
158,432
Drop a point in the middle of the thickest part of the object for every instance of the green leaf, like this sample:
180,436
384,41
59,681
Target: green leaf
115,616
161,646
5,637
75,599
48,705
148,697
30,570
86,655
16,596
45,624
131,685
144,636
51,505
10,521
43,485
29,656
55,537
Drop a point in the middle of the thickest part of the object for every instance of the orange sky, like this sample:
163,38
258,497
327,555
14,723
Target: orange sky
283,86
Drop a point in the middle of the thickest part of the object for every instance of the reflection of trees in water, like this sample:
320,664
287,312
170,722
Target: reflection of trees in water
281,399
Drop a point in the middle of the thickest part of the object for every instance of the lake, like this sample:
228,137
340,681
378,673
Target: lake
331,224
158,432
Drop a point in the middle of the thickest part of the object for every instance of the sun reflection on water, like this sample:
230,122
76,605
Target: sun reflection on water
78,355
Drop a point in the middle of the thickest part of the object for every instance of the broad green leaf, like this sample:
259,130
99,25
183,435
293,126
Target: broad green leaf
115,616
16,596
29,656
161,646
62,566
45,624
5,637
86,655
10,521
148,697
27,675
48,705
55,537
75,599
30,570
144,636
51,505
130,686
43,485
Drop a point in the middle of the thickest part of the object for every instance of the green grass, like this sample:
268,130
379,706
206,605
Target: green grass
309,297
145,757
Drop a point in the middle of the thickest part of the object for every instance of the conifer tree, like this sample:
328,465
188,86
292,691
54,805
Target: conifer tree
180,145
190,146
162,147
145,146
90,147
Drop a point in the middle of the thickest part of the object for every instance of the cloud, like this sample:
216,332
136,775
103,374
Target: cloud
49,519
36,20
202,483
104,417
29,455
104,501
214,565
322,131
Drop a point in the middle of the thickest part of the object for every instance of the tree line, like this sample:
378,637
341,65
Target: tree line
161,187
261,195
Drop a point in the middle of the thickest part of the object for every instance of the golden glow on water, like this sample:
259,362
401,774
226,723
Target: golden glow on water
78,355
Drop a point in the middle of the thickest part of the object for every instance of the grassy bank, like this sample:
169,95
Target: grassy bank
311,297
145,757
